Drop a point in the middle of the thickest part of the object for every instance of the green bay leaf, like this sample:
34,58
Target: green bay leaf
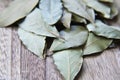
16,10
66,18
34,23
33,42
104,30
110,1
74,37
95,44
68,62
51,10
77,7
100,7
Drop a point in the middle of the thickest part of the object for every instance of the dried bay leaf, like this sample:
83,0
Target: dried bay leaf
100,7
68,62
51,10
32,41
35,23
111,1
74,37
66,18
76,18
16,10
104,30
114,11
95,44
76,7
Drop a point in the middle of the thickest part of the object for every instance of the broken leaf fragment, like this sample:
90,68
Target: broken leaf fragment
34,23
74,37
68,62
33,42
51,10
104,30
95,44
16,10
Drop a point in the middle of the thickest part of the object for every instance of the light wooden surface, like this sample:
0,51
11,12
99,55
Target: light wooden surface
17,63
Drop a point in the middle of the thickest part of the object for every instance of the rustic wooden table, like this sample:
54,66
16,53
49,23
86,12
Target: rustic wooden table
17,63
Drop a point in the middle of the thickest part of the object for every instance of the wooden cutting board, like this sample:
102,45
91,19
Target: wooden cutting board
17,63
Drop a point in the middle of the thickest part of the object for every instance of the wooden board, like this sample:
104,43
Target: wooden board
17,63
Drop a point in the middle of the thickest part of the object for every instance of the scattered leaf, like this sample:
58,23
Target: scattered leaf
96,44
16,10
68,62
51,10
32,41
34,23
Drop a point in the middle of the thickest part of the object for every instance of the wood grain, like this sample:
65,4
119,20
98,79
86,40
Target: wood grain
5,56
15,55
18,63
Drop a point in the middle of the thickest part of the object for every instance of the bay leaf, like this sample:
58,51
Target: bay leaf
51,10
104,30
16,10
110,1
32,41
66,18
76,7
34,23
74,37
76,18
114,11
96,44
100,7
68,62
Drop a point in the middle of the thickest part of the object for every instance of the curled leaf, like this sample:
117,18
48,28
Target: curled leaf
51,10
16,10
32,41
95,44
68,62
35,23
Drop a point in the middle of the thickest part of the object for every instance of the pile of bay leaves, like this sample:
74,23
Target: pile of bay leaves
63,29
